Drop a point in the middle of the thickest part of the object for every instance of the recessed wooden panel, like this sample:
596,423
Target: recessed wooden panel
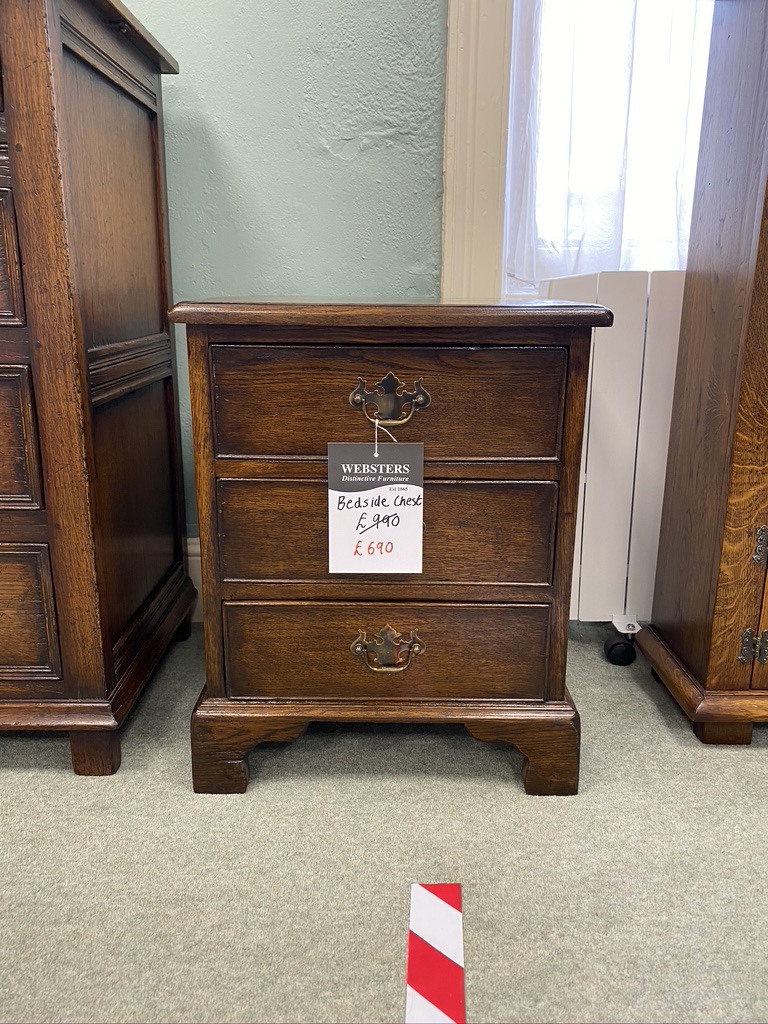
135,505
28,637
20,485
113,207
303,650
11,293
474,532
486,403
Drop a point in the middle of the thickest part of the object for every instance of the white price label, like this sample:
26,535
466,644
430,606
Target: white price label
375,507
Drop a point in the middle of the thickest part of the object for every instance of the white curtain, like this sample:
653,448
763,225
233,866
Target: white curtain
605,111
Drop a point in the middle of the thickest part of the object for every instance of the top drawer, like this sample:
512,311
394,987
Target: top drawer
486,404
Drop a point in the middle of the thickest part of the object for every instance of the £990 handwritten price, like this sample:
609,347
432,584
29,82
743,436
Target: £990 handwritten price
391,520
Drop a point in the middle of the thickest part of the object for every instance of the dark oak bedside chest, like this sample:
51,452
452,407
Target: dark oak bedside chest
487,618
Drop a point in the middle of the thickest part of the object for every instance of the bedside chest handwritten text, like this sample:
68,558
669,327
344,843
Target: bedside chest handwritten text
375,508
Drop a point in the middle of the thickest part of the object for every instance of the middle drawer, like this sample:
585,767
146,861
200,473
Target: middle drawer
480,532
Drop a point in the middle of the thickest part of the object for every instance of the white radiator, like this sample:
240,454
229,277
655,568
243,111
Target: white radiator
629,405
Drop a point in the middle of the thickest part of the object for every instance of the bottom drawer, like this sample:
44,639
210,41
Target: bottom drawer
442,651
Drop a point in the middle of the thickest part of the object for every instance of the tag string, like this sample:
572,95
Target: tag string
376,427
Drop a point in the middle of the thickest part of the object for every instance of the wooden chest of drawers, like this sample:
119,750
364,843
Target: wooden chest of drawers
93,581
271,385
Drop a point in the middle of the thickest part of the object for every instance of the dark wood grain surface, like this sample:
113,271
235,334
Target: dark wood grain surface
711,582
720,385
20,480
112,200
486,403
700,705
297,312
11,291
118,18
490,532
547,735
29,651
741,580
207,513
303,650
573,435
135,507
32,61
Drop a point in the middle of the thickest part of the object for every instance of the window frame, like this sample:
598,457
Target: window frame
478,70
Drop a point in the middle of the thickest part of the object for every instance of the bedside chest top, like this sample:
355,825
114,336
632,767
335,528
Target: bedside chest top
420,313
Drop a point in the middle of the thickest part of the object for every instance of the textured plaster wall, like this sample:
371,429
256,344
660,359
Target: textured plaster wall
304,148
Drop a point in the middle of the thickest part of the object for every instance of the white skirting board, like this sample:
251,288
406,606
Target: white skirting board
195,574
629,406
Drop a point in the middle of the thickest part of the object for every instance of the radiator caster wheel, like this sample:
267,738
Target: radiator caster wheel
619,652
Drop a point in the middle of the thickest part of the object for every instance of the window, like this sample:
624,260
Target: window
605,112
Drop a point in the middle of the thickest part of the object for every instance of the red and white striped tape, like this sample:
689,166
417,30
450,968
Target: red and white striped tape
434,978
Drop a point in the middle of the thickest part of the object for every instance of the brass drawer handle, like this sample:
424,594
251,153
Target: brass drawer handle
394,406
389,651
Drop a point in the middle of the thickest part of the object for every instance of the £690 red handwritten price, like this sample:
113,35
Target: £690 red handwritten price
374,548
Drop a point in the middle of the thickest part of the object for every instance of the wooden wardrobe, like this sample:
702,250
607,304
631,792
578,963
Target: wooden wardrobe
709,638
93,584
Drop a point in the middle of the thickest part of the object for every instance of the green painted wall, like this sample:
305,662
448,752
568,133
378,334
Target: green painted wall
304,149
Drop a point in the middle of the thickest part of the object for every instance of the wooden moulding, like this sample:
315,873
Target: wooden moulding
56,716
116,370
546,734
126,32
700,705
316,314
94,740
21,485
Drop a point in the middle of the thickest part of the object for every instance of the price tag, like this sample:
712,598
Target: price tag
375,507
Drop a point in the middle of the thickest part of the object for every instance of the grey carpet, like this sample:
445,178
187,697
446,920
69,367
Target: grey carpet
642,899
